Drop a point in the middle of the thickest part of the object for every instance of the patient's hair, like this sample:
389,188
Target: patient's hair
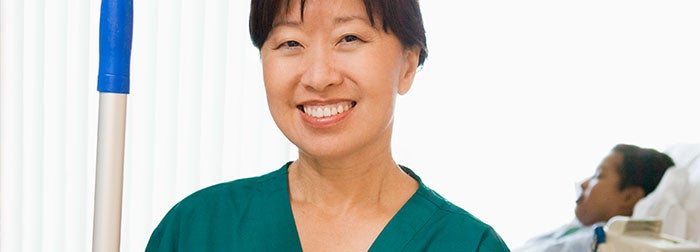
642,167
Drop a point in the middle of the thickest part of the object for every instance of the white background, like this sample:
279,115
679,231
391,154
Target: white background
519,100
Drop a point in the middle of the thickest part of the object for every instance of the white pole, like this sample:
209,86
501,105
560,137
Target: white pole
116,20
109,174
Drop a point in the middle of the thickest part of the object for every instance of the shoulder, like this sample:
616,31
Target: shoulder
444,210
462,225
452,226
449,211
213,211
236,189
232,195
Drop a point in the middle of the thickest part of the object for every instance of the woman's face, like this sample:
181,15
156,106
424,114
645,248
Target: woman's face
332,79
601,197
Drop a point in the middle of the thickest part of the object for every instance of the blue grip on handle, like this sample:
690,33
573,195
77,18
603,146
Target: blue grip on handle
116,25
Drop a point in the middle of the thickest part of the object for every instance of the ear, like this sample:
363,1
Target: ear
632,195
408,69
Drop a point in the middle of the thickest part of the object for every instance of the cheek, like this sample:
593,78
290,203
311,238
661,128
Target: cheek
276,67
277,81
271,74
278,94
381,64
591,187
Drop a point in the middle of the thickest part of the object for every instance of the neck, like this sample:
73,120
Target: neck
341,186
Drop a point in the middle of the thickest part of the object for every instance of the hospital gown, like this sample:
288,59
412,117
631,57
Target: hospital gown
255,214
572,237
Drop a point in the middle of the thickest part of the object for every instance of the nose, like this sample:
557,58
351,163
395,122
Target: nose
320,70
585,183
578,188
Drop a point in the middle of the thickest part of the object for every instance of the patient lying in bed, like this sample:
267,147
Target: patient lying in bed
624,177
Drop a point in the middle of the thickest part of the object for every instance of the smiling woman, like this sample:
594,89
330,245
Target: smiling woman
332,72
322,63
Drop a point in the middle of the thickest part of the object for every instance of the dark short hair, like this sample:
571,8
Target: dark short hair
402,17
642,167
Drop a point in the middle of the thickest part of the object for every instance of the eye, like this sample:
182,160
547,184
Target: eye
290,44
350,38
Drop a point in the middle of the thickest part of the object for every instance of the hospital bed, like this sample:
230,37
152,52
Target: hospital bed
668,219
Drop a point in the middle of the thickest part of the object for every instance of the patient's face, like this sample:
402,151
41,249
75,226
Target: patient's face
601,197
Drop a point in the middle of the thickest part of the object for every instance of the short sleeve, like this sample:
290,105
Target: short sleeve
492,242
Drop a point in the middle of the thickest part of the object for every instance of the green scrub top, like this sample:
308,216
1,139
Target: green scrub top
255,214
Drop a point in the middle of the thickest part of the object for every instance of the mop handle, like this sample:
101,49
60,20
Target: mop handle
116,19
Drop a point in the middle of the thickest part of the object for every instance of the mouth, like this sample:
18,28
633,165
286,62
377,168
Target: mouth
326,110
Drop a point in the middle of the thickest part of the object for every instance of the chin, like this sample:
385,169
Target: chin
320,151
580,217
585,221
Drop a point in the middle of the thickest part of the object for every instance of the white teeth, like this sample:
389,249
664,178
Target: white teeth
327,110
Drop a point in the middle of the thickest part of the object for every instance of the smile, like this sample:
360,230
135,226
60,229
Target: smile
321,111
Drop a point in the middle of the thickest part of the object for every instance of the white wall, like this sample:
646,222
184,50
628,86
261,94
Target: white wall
518,100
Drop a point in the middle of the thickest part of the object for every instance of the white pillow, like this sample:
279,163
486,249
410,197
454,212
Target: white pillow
676,200
687,157
692,207
666,203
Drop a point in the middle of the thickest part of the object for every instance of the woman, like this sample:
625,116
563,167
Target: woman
332,71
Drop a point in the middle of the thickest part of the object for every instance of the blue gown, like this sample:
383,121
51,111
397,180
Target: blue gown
255,214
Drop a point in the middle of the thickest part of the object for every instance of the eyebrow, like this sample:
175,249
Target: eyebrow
338,20
286,23
346,19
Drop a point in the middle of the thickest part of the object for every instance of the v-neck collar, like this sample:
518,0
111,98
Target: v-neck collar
410,218
279,221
